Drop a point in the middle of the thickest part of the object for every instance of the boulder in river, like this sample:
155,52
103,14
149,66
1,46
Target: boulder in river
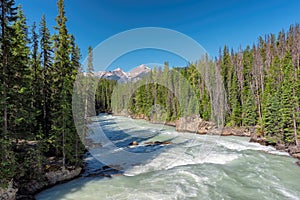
158,143
134,143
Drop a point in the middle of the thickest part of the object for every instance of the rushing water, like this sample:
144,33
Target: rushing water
193,167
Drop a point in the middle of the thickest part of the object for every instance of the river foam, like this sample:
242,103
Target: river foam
193,167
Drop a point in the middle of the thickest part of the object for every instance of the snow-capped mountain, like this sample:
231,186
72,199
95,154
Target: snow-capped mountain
121,76
138,72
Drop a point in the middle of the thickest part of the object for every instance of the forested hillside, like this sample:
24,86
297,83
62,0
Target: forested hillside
37,74
262,84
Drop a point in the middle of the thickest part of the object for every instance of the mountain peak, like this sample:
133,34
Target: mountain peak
142,66
118,69
140,70
119,75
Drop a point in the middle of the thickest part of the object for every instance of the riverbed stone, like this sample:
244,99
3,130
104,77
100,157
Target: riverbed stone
294,149
27,189
194,124
158,143
62,175
296,155
9,193
237,131
133,143
280,147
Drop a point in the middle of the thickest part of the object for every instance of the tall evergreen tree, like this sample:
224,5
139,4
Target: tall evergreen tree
36,80
288,100
19,78
8,15
75,55
46,63
64,76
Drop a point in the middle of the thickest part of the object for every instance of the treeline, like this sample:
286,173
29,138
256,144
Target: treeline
263,86
37,75
103,95
260,85
163,95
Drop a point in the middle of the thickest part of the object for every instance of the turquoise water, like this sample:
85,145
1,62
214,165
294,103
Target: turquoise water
193,167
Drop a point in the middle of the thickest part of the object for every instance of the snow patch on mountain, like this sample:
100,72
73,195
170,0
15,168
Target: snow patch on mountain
121,76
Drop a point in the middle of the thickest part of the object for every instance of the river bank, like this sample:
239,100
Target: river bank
194,166
26,189
192,124
195,124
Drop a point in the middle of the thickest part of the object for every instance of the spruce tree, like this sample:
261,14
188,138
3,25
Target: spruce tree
75,55
287,99
271,105
249,116
64,77
36,83
8,15
19,79
234,98
47,79
90,86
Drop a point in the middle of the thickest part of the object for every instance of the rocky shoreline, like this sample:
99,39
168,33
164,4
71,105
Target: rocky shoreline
293,150
27,189
195,124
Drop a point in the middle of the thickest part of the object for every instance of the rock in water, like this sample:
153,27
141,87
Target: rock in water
134,143
158,143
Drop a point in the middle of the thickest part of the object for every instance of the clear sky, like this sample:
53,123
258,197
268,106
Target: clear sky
212,23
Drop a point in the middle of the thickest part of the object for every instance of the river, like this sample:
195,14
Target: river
192,167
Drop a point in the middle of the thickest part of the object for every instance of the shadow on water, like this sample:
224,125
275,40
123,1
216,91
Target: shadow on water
121,138
62,190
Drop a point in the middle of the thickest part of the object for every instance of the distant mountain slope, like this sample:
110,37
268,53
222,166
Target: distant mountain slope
121,76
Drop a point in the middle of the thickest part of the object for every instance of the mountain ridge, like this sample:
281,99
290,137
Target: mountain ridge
119,75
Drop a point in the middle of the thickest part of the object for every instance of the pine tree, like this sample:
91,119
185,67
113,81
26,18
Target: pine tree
287,98
234,98
75,55
36,82
271,105
19,79
7,163
90,86
14,87
64,77
249,115
36,109
46,63
8,15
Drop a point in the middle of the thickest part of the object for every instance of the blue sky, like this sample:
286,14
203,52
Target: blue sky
212,23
